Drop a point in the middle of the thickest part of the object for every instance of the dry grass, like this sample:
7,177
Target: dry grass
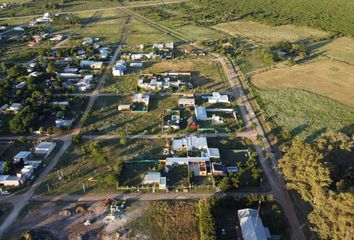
265,34
328,78
341,49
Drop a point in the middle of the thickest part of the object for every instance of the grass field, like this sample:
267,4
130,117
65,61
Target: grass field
106,119
141,33
305,114
328,78
206,75
265,34
167,220
78,167
341,49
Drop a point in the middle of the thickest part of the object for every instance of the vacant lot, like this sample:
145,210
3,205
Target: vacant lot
341,49
77,167
167,221
106,119
141,33
206,74
306,114
265,34
328,78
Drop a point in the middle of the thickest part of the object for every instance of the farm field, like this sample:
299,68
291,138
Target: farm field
305,114
78,167
341,49
142,33
328,78
206,75
265,34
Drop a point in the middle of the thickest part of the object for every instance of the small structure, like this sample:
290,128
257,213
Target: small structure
10,181
16,107
119,68
217,169
141,102
67,123
251,225
44,148
213,153
136,64
172,119
186,102
91,64
22,156
154,178
218,98
124,107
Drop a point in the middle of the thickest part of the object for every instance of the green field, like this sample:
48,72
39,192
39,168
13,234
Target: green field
265,34
305,114
78,167
106,119
141,33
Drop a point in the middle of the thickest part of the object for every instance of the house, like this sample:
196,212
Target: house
21,85
186,102
87,41
197,165
136,64
213,153
172,119
91,64
104,52
124,107
191,123
85,83
161,46
251,225
165,81
190,143
26,173
44,148
141,102
69,69
3,108
217,169
119,68
218,98
198,168
10,181
46,18
67,123
201,114
16,107
22,156
152,178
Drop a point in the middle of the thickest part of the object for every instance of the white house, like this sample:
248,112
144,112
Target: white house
251,225
91,64
218,98
63,123
201,114
155,179
119,68
10,181
16,107
44,148
190,143
22,156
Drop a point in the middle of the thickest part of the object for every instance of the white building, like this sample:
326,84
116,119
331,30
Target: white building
190,143
44,148
22,156
91,64
16,107
218,98
251,225
119,69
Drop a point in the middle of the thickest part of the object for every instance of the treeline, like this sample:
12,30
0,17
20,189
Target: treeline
328,15
322,173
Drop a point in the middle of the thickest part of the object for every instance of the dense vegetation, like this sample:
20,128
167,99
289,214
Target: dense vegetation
329,15
322,173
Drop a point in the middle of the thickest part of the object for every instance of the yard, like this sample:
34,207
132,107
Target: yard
328,78
265,34
106,119
77,168
207,75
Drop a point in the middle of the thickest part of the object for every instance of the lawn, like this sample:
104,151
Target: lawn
265,34
341,49
123,84
77,167
106,119
142,33
207,75
328,78
305,114
133,173
166,220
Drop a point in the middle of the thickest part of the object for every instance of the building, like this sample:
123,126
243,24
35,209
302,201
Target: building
3,108
91,64
172,119
141,102
120,68
16,107
186,102
251,225
67,123
22,156
217,169
190,143
10,181
213,152
124,107
154,178
136,64
197,165
201,114
167,80
218,98
44,148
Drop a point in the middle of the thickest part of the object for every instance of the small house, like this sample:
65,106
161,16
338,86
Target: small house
218,98
217,169
22,156
16,107
186,102
152,178
44,148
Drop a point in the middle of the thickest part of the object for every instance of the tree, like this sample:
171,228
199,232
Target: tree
123,140
51,68
76,139
206,220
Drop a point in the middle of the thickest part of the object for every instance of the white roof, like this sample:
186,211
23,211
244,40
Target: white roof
200,113
251,225
186,100
44,146
22,154
213,152
185,160
152,177
190,143
217,97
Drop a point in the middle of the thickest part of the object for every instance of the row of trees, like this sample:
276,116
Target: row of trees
322,172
